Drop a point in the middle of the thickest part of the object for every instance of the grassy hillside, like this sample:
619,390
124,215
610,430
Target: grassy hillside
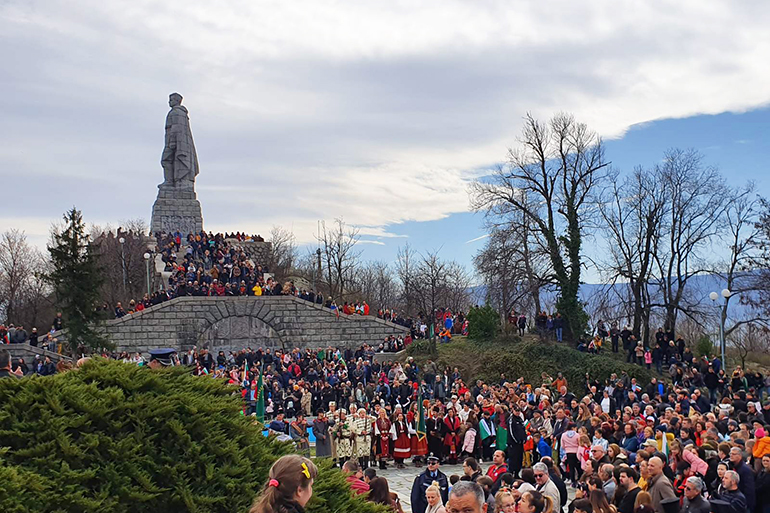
526,357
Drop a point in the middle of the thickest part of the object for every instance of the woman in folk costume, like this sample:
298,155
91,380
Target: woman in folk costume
382,429
344,437
419,440
403,445
451,430
501,422
362,427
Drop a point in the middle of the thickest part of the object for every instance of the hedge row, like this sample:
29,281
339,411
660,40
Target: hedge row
114,437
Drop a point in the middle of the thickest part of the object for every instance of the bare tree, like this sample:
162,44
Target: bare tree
632,211
124,266
376,284
758,266
406,272
549,179
283,251
741,226
429,283
513,271
25,294
457,287
340,257
697,203
750,338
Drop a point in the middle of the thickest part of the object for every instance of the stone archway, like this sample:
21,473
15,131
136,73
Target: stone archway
237,332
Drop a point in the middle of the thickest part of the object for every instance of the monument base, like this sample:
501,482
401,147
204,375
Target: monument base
176,210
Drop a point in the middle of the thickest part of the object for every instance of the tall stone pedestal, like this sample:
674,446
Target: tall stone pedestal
176,210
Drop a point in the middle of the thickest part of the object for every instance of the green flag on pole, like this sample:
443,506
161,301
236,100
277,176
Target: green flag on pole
432,333
421,420
261,397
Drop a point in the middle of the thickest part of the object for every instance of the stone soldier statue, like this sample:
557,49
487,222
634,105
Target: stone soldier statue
179,160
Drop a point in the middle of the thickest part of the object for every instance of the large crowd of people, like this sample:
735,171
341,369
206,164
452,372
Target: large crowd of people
624,446
698,440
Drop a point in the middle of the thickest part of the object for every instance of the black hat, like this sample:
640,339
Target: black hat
431,457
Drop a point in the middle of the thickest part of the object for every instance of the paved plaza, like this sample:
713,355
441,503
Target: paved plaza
400,480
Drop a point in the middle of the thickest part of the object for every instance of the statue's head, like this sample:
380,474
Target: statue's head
174,99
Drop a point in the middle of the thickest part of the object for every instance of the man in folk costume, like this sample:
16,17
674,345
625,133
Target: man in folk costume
434,426
382,429
403,445
419,441
451,430
362,427
344,437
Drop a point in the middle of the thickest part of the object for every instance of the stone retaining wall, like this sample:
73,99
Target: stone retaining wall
232,323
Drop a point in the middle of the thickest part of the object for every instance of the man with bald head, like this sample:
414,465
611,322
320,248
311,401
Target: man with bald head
659,487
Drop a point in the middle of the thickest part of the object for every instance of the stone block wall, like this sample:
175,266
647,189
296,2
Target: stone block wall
231,323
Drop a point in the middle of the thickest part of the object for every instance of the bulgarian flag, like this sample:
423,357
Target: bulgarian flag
261,397
421,433
664,443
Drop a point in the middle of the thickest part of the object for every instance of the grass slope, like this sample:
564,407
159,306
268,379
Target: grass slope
527,357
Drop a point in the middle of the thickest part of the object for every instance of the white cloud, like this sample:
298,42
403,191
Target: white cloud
377,112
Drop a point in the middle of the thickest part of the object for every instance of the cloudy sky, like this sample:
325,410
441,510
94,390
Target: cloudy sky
380,112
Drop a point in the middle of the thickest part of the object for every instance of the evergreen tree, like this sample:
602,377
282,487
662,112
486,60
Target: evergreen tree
112,437
76,278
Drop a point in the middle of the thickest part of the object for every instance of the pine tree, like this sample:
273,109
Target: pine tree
76,278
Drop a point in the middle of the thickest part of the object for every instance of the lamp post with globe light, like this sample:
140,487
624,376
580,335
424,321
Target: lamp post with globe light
123,261
722,316
147,263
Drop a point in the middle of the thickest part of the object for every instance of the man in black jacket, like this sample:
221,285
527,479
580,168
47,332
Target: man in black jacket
693,501
516,438
423,481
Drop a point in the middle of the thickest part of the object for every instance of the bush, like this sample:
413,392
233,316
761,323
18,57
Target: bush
421,347
114,437
704,346
514,358
483,323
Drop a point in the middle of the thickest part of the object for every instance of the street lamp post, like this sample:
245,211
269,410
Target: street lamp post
722,317
123,261
147,262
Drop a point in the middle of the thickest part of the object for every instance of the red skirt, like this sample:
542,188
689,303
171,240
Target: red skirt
384,446
419,447
452,442
403,447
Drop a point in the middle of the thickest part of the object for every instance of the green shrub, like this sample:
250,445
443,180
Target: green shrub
704,346
483,323
528,359
421,347
114,437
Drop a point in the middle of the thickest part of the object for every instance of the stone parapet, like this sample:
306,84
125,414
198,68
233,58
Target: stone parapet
232,323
